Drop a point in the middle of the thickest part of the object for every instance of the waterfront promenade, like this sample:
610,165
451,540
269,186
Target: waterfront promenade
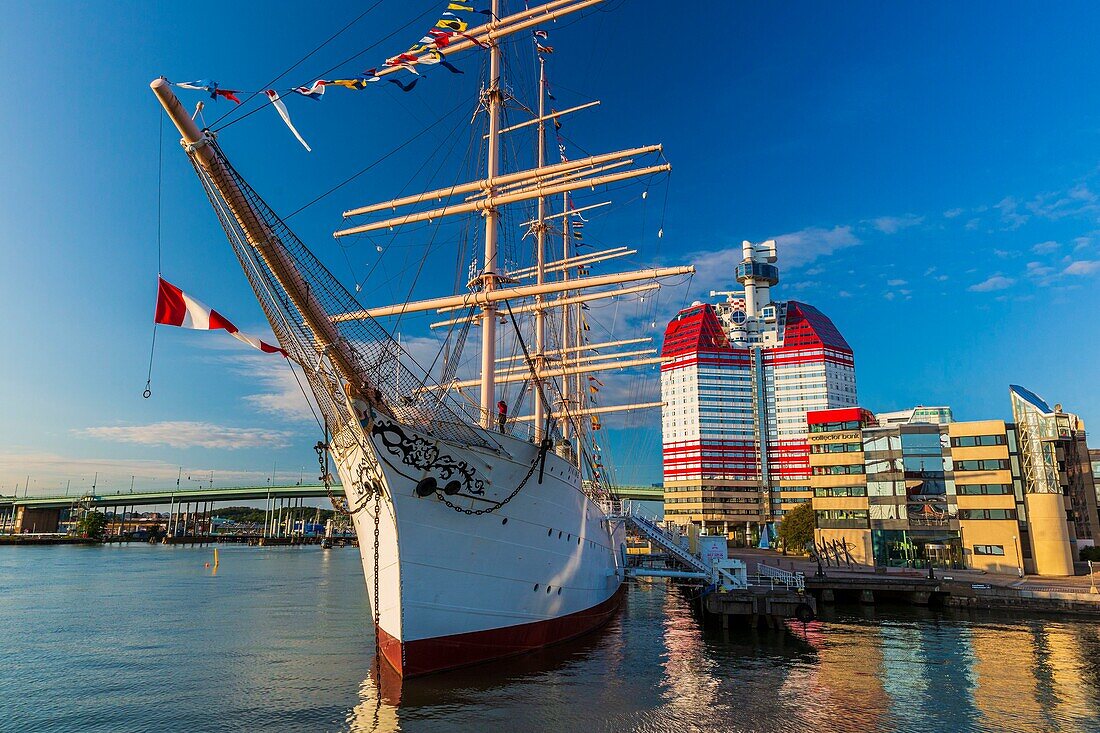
964,588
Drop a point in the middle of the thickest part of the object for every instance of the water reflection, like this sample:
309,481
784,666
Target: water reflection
147,639
858,669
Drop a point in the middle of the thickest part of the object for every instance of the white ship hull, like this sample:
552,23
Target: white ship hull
456,589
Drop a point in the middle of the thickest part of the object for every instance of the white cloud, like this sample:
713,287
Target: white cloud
282,396
973,224
1077,201
803,285
1046,247
1010,214
185,434
893,224
806,245
952,213
844,294
994,282
1082,267
714,269
1038,269
896,282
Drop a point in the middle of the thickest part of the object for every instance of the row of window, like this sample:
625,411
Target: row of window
836,447
669,512
832,427
989,549
983,489
971,441
712,500
838,470
840,491
986,464
833,515
987,514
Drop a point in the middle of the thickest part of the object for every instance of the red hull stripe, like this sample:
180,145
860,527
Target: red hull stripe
425,656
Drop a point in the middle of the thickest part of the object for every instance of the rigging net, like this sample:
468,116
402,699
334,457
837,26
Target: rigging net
383,371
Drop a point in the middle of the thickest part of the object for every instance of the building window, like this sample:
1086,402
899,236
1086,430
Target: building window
971,441
842,519
838,470
987,514
983,489
989,550
840,491
836,447
832,427
989,464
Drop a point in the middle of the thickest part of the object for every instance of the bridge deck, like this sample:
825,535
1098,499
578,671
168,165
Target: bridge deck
223,494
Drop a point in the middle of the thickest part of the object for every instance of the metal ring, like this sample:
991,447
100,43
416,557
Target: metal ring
147,393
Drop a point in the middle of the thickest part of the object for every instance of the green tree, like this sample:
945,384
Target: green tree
797,528
92,525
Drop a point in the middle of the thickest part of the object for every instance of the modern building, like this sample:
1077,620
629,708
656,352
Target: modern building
737,381
1057,479
919,414
989,495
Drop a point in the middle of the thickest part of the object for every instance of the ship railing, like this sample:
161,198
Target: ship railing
773,577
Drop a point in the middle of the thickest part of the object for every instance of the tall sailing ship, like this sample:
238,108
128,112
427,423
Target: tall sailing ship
483,533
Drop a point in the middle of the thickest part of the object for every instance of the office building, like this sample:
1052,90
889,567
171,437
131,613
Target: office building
737,382
989,495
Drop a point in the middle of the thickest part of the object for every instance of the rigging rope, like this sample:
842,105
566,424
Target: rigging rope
148,392
323,73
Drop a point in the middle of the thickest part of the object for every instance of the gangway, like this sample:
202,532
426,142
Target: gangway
665,535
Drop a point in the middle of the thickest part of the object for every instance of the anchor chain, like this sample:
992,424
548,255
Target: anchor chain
340,505
539,460
377,603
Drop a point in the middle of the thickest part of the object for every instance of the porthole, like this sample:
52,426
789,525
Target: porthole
559,534
548,590
536,587
559,591
569,538
578,540
549,532
504,521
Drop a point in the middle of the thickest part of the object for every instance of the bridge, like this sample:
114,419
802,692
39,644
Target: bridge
43,513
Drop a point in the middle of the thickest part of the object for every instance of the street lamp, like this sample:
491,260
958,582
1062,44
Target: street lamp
1019,557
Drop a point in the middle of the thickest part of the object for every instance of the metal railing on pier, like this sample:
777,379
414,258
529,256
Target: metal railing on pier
773,577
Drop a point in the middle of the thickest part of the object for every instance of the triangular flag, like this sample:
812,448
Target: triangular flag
314,91
281,109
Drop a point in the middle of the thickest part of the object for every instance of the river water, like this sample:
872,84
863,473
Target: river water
146,638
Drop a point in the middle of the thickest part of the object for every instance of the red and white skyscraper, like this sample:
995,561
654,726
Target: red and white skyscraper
737,382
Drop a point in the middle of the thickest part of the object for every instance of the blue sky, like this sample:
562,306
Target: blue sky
931,170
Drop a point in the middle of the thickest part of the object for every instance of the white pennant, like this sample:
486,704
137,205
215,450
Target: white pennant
281,108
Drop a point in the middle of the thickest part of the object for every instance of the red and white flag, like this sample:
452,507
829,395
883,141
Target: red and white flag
177,308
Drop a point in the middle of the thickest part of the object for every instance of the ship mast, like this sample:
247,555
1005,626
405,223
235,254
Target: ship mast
566,340
488,275
540,266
